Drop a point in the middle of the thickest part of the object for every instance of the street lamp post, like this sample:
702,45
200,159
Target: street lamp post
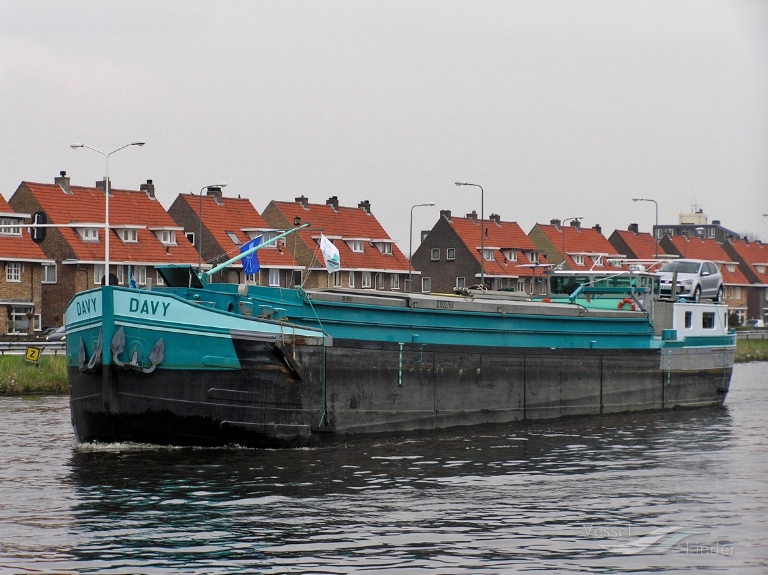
562,229
482,232
200,229
657,220
106,194
410,244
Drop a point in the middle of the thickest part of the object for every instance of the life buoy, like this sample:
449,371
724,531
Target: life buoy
629,301
546,300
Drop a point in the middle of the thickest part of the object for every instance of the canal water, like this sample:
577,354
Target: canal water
679,492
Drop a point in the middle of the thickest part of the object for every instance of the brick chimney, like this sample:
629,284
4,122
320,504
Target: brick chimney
216,193
634,228
366,205
555,223
597,228
445,214
63,181
576,224
472,216
495,218
333,201
102,185
148,188
302,201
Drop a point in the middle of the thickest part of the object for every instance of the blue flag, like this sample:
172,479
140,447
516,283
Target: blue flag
131,280
251,261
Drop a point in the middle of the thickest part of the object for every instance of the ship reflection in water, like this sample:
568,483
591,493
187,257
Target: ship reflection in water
676,492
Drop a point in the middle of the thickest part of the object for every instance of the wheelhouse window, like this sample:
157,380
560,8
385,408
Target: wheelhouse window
708,320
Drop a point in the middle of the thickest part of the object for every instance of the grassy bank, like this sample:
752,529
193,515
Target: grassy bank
20,377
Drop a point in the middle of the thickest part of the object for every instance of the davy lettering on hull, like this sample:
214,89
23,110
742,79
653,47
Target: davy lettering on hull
148,307
86,306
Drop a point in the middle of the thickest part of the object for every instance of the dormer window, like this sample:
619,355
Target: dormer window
267,236
578,260
760,268
89,234
730,267
384,247
356,246
511,255
533,257
129,235
167,237
13,231
488,255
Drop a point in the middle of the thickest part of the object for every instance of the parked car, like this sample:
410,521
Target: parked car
60,334
755,323
46,331
696,279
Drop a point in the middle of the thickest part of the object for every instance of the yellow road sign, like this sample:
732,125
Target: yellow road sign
33,354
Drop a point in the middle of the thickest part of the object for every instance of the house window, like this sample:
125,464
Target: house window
760,268
336,279
129,235
266,236
274,277
167,237
190,237
98,273
13,271
461,283
49,274
366,280
578,260
159,279
14,231
18,320
351,279
121,273
394,281
520,284
235,240
730,267
488,255
450,254
296,277
533,257
434,254
140,275
511,255
426,285
711,232
356,246
379,280
89,234
384,247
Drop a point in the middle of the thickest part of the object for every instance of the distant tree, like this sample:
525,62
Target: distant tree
750,236
733,319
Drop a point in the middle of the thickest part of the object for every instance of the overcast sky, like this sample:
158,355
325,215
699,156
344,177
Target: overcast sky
557,108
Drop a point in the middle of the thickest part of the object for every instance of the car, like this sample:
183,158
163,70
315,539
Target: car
46,331
60,334
696,279
755,323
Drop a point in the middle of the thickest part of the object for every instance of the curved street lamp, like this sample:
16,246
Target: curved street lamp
410,244
482,232
200,217
657,219
106,194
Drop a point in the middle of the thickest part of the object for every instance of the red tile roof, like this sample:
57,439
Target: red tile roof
579,241
642,244
342,225
755,255
709,249
235,215
127,208
499,237
18,248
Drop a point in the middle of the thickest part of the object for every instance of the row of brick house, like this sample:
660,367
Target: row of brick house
210,228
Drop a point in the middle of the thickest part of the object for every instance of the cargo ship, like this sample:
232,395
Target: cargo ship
196,363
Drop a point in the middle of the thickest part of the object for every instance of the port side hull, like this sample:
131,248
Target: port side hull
293,397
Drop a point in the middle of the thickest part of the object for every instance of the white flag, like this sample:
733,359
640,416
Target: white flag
330,254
